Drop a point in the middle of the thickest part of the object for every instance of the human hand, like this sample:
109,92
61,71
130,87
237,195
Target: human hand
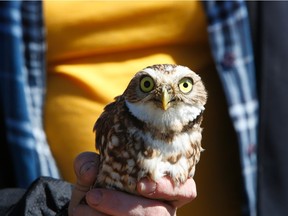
159,198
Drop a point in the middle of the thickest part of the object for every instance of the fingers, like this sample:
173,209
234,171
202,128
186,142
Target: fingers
85,167
110,202
113,202
165,190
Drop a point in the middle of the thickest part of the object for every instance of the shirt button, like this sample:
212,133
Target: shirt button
228,60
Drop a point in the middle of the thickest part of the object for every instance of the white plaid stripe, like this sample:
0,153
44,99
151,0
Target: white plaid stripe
245,115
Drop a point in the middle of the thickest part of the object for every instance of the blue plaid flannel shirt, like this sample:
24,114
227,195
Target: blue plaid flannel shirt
22,85
231,45
22,89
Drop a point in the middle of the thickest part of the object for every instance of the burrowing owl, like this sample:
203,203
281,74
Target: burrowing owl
153,129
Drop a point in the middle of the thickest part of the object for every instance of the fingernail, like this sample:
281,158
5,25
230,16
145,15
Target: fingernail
86,166
147,186
94,197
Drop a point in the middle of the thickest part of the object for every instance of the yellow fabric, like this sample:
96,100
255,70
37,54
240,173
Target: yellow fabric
94,48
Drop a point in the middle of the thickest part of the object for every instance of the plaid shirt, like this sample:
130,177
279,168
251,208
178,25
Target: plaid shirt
22,85
230,40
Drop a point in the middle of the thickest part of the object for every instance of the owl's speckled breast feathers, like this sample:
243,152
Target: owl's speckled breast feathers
152,129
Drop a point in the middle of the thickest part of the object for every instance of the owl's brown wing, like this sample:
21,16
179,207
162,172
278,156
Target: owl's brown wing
118,167
106,121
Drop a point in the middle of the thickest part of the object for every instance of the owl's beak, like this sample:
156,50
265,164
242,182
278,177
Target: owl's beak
165,98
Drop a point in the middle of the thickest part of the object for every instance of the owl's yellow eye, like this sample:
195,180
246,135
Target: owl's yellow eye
146,84
185,85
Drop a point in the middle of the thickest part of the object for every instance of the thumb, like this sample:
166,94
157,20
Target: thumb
85,168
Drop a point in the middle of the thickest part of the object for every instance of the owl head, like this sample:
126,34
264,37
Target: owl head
166,96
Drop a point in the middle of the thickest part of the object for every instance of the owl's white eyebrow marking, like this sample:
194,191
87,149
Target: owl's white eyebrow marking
179,72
